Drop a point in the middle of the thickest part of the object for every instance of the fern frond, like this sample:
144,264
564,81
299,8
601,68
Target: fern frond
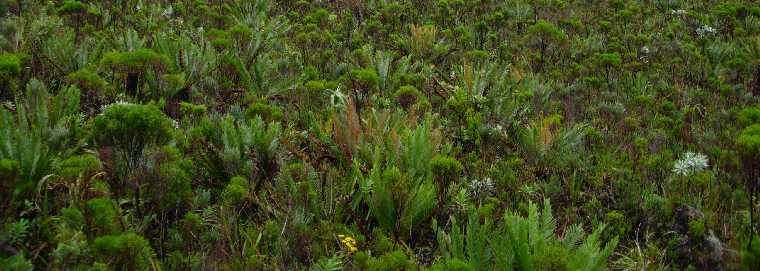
548,223
382,206
419,206
573,236
478,252
589,255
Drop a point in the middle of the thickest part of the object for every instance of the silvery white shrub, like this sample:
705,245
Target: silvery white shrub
479,188
690,163
706,30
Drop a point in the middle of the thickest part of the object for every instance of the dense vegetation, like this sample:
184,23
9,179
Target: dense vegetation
379,135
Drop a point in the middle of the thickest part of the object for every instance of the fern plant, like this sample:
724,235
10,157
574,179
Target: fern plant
423,42
468,242
192,59
545,142
249,149
400,198
40,127
417,150
524,243
263,55
334,263
529,243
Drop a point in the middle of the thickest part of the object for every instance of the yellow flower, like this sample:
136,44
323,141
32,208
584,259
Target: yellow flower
348,242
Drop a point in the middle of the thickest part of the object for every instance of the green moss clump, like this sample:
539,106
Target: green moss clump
221,43
618,222
382,243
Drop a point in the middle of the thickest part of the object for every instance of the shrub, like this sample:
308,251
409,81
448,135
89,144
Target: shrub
131,128
748,145
748,116
236,191
81,165
697,228
195,110
748,141
452,265
366,79
445,171
72,218
609,60
8,173
72,6
407,96
173,189
315,85
446,167
87,80
103,216
127,251
16,263
477,55
10,66
750,256
543,34
135,61
135,64
240,32
394,260
266,111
